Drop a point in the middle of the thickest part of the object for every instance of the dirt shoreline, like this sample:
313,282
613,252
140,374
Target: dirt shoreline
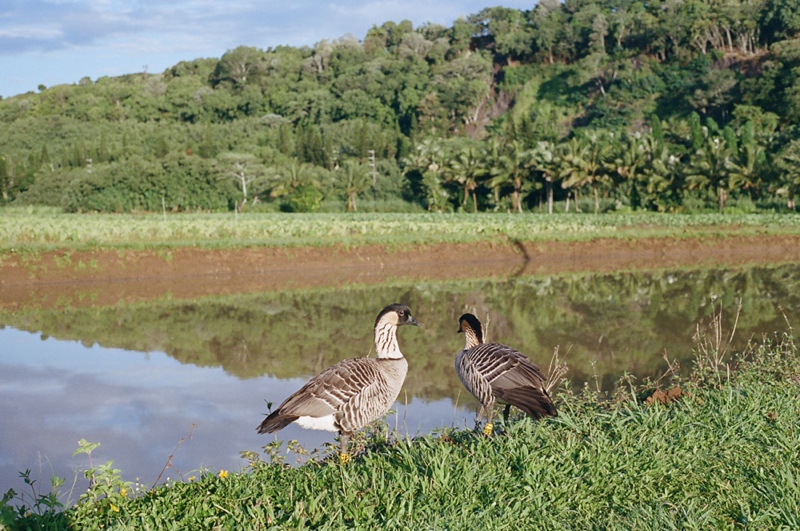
105,277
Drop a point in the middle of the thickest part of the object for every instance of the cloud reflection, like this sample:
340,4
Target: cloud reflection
139,406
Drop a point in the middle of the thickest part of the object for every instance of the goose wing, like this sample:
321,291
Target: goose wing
513,378
472,368
328,393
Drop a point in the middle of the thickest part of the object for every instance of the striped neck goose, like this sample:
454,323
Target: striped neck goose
349,395
498,373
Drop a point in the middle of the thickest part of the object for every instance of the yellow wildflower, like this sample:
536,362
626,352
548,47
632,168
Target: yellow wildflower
114,508
123,492
223,474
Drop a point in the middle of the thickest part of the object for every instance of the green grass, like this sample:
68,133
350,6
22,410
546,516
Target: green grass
726,455
38,229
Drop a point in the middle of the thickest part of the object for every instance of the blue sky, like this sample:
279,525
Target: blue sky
52,42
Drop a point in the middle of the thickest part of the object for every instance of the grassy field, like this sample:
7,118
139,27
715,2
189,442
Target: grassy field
723,454
39,229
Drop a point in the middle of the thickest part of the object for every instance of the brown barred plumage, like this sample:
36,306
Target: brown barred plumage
354,392
498,373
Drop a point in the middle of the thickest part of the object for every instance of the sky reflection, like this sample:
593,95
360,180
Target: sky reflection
139,406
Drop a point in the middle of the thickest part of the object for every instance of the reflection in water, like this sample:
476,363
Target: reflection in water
137,378
139,406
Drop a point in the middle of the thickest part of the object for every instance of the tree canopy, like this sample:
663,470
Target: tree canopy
665,105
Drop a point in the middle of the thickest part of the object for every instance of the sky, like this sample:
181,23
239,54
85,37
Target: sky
53,42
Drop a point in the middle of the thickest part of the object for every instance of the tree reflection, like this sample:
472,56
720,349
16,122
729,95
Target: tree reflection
602,324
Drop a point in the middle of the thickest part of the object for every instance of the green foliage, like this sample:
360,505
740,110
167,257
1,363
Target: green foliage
43,509
304,199
498,76
105,482
180,183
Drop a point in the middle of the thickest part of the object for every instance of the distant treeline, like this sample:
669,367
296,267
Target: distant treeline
594,104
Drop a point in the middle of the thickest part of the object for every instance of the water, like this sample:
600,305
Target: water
186,382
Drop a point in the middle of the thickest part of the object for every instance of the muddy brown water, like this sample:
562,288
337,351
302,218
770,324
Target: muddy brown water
142,350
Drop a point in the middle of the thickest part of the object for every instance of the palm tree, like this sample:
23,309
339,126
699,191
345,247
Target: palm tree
708,168
788,164
467,167
659,173
544,161
289,178
353,178
428,158
572,167
513,167
597,169
630,162
748,165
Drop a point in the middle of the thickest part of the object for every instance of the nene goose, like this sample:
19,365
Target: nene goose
349,395
494,372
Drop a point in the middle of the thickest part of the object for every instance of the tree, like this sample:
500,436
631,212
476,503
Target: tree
548,22
238,66
513,167
584,162
463,87
623,17
572,168
708,168
467,167
6,178
428,158
354,179
660,174
460,38
544,160
781,19
629,163
600,151
286,179
788,162
748,163
506,29
245,169
207,148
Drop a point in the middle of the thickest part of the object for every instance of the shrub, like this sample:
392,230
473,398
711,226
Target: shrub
177,183
303,199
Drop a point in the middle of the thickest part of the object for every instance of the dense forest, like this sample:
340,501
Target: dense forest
596,105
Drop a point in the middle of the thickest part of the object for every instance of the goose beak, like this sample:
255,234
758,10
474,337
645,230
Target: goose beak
413,321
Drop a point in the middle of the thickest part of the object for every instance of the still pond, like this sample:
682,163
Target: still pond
179,386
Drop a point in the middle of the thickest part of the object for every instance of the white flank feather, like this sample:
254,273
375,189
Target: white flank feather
317,423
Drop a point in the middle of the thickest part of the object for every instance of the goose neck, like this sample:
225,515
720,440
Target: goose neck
386,341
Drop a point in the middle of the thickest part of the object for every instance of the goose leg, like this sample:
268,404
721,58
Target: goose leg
479,416
487,430
506,411
344,457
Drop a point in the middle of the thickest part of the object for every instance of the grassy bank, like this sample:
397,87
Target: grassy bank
40,229
723,453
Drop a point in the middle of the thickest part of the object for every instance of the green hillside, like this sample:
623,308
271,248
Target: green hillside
593,104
